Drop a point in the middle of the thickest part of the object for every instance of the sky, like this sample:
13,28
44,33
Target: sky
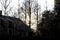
50,4
42,3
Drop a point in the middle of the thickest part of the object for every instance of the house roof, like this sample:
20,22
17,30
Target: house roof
18,23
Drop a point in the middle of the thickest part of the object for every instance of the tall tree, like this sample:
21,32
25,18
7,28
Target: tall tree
37,13
27,5
29,2
28,9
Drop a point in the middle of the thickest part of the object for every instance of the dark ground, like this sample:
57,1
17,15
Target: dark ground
6,37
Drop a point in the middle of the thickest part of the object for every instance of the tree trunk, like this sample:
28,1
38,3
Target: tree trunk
25,13
29,15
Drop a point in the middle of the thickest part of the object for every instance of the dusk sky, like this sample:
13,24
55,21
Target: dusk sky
50,4
42,3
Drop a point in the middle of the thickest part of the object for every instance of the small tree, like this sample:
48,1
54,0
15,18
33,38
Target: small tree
5,4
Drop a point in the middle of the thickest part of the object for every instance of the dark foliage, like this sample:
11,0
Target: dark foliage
50,25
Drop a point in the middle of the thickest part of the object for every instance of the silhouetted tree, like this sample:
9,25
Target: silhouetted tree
28,9
24,9
29,2
47,25
37,9
5,4
57,22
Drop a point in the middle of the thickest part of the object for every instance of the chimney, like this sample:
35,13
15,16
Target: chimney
0,13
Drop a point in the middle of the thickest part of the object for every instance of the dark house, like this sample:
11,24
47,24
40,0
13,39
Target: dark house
13,27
